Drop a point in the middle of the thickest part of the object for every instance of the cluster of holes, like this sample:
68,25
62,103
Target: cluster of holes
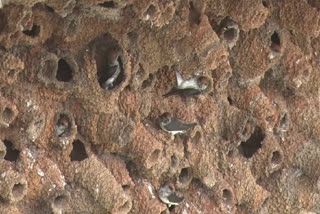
60,202
251,146
7,115
64,72
78,152
35,30
12,153
18,190
107,4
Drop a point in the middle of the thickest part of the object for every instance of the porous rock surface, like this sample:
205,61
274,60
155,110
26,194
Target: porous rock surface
67,145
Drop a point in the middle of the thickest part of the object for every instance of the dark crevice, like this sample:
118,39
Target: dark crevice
147,83
227,196
60,202
18,190
275,42
185,175
49,9
276,157
194,15
3,21
107,4
12,153
230,101
251,146
265,3
7,115
35,30
64,72
78,152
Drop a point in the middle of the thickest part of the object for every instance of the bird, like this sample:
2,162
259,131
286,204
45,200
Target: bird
189,87
168,196
173,125
62,126
114,67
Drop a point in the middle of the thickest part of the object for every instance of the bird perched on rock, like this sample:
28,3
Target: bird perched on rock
168,196
189,87
173,125
115,69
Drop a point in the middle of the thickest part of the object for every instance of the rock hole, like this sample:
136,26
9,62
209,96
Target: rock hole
174,161
78,152
7,115
185,175
107,4
227,196
147,83
230,34
230,101
151,11
276,157
275,42
60,202
125,208
12,154
194,15
305,74
63,125
265,3
249,147
125,187
18,190
64,72
154,155
49,9
3,21
11,73
35,30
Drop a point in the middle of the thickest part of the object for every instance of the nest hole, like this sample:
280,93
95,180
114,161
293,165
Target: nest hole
3,21
7,115
154,155
12,154
174,161
61,201
276,157
18,190
78,152
64,72
63,125
147,83
251,146
125,187
125,208
185,175
230,101
265,3
151,11
107,4
230,34
49,9
275,42
194,14
35,30
227,196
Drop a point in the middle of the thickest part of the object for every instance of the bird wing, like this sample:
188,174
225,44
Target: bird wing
190,83
178,125
174,198
179,78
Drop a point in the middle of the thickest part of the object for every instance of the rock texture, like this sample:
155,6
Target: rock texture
68,145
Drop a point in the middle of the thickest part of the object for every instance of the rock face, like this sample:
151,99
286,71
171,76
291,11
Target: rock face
81,93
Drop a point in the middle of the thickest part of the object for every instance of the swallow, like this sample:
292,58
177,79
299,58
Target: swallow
173,125
168,196
189,87
62,126
113,67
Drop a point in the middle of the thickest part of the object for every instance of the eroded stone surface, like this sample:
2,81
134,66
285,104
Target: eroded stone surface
68,145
